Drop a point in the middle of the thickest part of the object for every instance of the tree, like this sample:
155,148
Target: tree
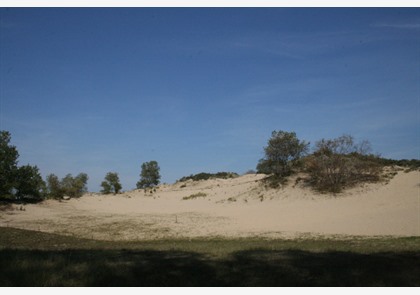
282,153
29,183
111,184
74,186
149,175
54,189
71,186
17,182
8,165
340,162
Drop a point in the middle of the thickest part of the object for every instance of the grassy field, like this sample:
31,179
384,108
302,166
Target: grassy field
30,258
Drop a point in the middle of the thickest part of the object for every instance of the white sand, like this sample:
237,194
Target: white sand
237,207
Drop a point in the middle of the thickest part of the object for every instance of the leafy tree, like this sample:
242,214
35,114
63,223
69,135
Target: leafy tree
71,186
54,189
149,175
75,186
111,184
282,153
8,165
29,183
17,182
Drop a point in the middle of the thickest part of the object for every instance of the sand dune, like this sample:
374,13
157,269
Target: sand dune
238,207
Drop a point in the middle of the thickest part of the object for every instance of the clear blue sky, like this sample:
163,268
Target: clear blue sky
99,90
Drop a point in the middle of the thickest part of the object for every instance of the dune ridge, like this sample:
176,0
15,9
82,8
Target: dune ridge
236,207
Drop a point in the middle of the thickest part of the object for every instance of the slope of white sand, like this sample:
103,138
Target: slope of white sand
237,207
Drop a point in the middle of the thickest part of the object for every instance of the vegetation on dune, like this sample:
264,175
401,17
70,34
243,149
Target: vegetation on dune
334,165
17,183
111,184
149,176
340,163
195,196
206,176
412,164
282,154
70,186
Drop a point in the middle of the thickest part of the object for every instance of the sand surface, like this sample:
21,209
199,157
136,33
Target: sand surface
238,207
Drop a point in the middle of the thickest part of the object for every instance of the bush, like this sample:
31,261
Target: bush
195,196
412,164
339,163
205,176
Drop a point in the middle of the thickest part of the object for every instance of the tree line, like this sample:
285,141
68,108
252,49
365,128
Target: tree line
333,165
25,183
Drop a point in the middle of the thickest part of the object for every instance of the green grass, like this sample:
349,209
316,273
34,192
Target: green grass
30,258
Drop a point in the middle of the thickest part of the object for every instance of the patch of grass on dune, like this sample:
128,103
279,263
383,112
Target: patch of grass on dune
195,196
30,258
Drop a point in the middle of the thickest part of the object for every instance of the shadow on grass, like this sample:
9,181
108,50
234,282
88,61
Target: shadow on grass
177,268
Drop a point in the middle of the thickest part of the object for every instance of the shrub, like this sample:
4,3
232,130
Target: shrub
195,196
339,163
206,176
412,164
249,172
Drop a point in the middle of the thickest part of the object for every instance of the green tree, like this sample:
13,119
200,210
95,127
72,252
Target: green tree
74,187
17,182
282,154
111,184
149,175
29,183
54,189
71,186
8,165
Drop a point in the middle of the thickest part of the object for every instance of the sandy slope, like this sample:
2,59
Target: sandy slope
233,207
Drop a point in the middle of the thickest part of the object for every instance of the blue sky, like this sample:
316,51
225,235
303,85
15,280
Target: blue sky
196,89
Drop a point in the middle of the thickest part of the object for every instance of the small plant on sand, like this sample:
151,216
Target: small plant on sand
195,196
